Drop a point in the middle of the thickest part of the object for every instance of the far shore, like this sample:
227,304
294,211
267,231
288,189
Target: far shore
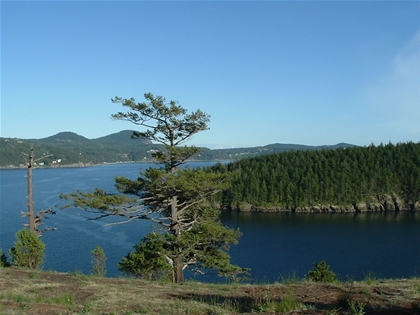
82,165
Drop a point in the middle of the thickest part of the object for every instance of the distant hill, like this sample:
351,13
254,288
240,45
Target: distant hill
270,148
66,136
289,147
122,137
71,137
72,149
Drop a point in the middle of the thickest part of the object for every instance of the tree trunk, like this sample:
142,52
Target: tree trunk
178,272
31,211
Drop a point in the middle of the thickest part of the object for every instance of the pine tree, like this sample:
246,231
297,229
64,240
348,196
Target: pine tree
28,250
178,200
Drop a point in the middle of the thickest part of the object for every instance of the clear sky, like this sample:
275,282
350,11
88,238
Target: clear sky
303,72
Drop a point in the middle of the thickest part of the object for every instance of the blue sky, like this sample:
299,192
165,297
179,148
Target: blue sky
304,72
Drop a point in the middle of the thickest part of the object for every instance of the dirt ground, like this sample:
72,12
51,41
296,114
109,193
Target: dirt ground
35,292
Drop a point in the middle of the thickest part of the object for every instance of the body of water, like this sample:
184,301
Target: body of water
273,245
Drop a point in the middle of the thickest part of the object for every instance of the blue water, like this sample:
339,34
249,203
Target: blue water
272,245
275,245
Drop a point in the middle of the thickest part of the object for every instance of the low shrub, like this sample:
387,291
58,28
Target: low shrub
99,261
3,259
28,250
321,273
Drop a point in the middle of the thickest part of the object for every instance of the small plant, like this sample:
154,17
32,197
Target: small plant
365,290
28,250
321,273
24,306
286,304
267,306
333,311
370,278
290,278
3,259
65,299
84,310
344,299
289,303
357,308
98,261
416,287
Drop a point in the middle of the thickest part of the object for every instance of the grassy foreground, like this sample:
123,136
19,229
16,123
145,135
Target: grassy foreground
36,292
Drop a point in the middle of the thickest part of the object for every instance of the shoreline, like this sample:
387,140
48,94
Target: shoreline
82,165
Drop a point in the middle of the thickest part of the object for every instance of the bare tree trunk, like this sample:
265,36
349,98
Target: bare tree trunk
34,219
31,211
178,272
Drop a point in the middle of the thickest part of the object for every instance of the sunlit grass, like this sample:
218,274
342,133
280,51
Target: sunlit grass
370,278
290,278
79,294
287,303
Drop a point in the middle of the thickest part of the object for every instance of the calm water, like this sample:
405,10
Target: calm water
272,245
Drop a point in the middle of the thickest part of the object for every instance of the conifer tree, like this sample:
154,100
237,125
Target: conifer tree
178,200
28,250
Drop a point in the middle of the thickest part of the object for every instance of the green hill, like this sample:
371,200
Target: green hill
122,137
76,150
62,137
71,149
374,178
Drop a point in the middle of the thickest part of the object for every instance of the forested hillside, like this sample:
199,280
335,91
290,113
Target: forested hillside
374,178
71,149
68,148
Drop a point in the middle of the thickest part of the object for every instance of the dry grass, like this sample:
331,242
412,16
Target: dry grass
27,292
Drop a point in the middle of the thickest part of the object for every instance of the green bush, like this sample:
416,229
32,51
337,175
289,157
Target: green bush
321,273
28,250
146,260
98,261
3,259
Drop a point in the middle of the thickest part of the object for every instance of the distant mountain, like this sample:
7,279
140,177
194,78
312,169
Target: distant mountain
71,137
122,137
66,136
72,149
268,149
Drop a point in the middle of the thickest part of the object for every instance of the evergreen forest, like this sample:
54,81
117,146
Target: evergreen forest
341,177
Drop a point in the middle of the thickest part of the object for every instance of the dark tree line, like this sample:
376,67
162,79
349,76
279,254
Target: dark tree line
338,177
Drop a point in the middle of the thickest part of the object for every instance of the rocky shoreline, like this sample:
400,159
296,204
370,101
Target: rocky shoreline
379,203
